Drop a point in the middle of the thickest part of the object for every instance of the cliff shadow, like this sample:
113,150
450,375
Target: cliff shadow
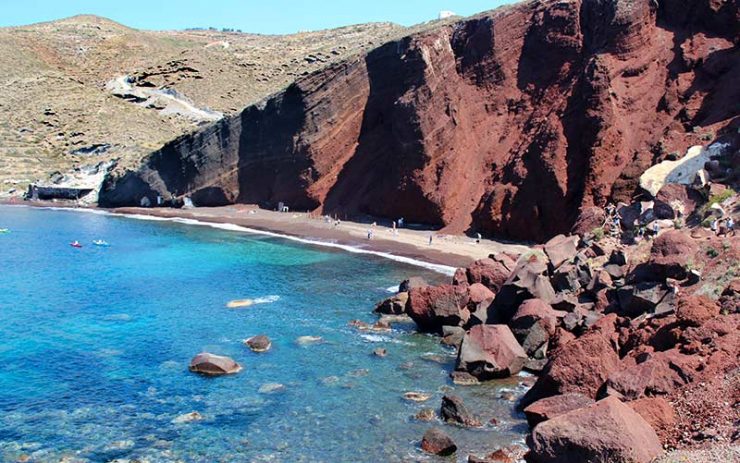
273,163
377,179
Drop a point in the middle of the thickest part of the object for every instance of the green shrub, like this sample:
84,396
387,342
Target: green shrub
711,252
598,233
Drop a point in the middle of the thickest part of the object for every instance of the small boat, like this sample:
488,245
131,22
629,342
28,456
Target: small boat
101,243
4,230
75,244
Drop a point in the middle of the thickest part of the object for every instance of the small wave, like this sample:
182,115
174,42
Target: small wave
380,338
392,289
266,299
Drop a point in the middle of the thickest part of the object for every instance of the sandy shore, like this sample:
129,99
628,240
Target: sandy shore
446,250
449,250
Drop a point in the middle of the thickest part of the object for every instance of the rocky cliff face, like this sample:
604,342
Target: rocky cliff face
508,123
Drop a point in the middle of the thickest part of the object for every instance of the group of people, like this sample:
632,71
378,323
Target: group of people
722,225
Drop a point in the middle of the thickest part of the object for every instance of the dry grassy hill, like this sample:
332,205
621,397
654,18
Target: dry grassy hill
57,107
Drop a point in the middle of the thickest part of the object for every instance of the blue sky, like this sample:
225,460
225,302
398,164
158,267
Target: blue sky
260,16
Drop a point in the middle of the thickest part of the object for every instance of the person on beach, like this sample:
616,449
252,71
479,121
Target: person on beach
478,237
431,236
656,228
400,222
369,233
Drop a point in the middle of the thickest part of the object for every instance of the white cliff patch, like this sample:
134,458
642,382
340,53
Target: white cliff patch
683,171
166,101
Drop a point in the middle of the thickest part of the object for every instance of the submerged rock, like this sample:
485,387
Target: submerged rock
306,340
213,365
187,418
415,396
425,414
271,388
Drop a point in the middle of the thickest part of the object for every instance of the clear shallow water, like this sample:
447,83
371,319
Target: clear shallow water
96,342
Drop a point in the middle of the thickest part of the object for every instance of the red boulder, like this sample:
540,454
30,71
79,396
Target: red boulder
607,431
490,351
550,407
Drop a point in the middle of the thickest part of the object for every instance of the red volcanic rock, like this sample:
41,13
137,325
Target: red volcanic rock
491,273
533,311
607,431
550,407
432,307
589,219
657,411
581,365
661,374
561,249
490,351
394,305
695,310
454,410
669,257
460,278
437,442
509,123
479,299
675,200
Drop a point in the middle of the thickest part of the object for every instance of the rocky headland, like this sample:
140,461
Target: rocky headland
631,324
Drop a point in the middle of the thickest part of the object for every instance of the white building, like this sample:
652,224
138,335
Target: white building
444,14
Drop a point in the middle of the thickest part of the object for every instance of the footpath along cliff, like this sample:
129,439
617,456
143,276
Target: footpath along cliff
511,123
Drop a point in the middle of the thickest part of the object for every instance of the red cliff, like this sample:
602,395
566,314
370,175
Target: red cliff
507,123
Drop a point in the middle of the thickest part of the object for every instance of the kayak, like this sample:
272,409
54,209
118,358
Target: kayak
101,243
75,244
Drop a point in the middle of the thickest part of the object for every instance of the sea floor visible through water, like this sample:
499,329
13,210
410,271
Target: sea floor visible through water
96,343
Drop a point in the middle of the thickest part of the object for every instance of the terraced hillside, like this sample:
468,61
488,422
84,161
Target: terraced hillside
58,109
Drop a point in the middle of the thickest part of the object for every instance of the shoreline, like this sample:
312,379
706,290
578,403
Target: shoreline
409,246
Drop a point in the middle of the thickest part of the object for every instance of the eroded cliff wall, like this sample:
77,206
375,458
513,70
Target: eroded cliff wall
508,123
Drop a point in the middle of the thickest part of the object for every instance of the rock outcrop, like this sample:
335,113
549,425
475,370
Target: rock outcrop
510,123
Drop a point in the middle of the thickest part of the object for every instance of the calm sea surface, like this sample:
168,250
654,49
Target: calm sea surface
95,344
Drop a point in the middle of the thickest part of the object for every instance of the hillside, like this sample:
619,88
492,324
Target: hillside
58,110
509,123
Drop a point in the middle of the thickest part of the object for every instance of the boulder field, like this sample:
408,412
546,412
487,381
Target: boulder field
512,123
634,339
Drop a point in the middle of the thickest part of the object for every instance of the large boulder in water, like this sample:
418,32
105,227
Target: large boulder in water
437,442
433,307
490,351
607,431
213,365
455,411
394,305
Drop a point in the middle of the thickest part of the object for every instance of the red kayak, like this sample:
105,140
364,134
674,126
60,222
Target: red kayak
75,244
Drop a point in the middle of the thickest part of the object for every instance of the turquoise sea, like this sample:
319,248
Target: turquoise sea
95,344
